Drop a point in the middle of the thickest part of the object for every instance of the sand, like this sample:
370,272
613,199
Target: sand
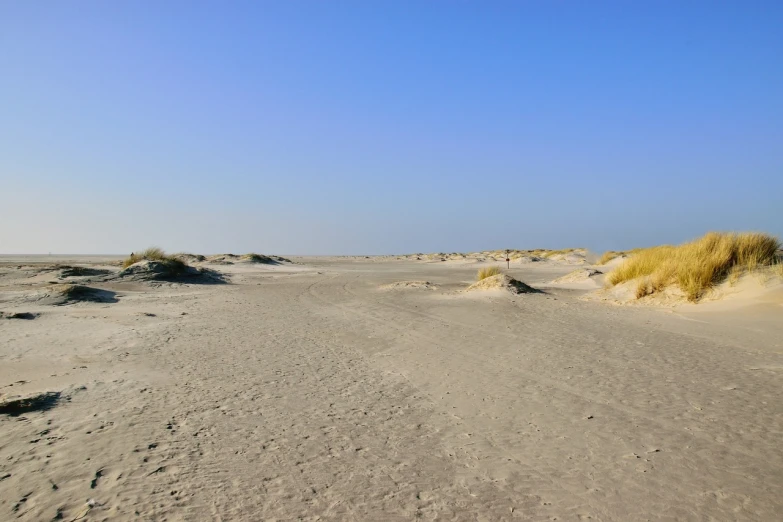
582,278
501,283
409,285
302,391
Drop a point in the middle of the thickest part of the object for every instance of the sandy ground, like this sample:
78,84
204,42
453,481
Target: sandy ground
314,391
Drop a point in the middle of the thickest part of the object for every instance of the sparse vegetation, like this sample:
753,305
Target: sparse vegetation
67,293
499,281
499,255
698,265
68,271
70,291
257,258
608,256
188,257
643,288
174,263
612,254
490,271
79,271
777,269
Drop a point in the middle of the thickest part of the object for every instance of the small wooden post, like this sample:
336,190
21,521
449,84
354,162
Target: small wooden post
508,259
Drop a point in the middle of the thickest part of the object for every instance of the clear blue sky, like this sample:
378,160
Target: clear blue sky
386,127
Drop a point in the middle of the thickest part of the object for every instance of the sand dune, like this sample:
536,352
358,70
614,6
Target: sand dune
567,256
301,391
501,282
244,258
763,285
694,269
156,271
579,276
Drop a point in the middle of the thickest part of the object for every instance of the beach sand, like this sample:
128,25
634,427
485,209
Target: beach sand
311,391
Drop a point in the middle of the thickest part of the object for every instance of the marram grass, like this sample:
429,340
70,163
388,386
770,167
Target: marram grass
484,273
611,254
155,254
698,265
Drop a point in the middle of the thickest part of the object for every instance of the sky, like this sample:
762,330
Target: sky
338,127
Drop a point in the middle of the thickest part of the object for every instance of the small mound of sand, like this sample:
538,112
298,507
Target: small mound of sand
157,270
67,293
267,260
569,259
172,272
403,285
230,259
257,258
502,282
578,276
462,261
625,293
190,258
223,259
80,271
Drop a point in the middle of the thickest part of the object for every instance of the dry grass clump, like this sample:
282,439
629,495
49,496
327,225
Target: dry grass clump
484,273
608,256
155,254
644,288
612,254
698,265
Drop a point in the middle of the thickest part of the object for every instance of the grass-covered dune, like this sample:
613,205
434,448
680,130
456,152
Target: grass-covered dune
173,262
698,265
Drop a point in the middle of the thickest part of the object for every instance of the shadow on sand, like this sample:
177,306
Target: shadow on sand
37,402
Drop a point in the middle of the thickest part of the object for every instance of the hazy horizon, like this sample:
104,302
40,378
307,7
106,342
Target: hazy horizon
306,128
